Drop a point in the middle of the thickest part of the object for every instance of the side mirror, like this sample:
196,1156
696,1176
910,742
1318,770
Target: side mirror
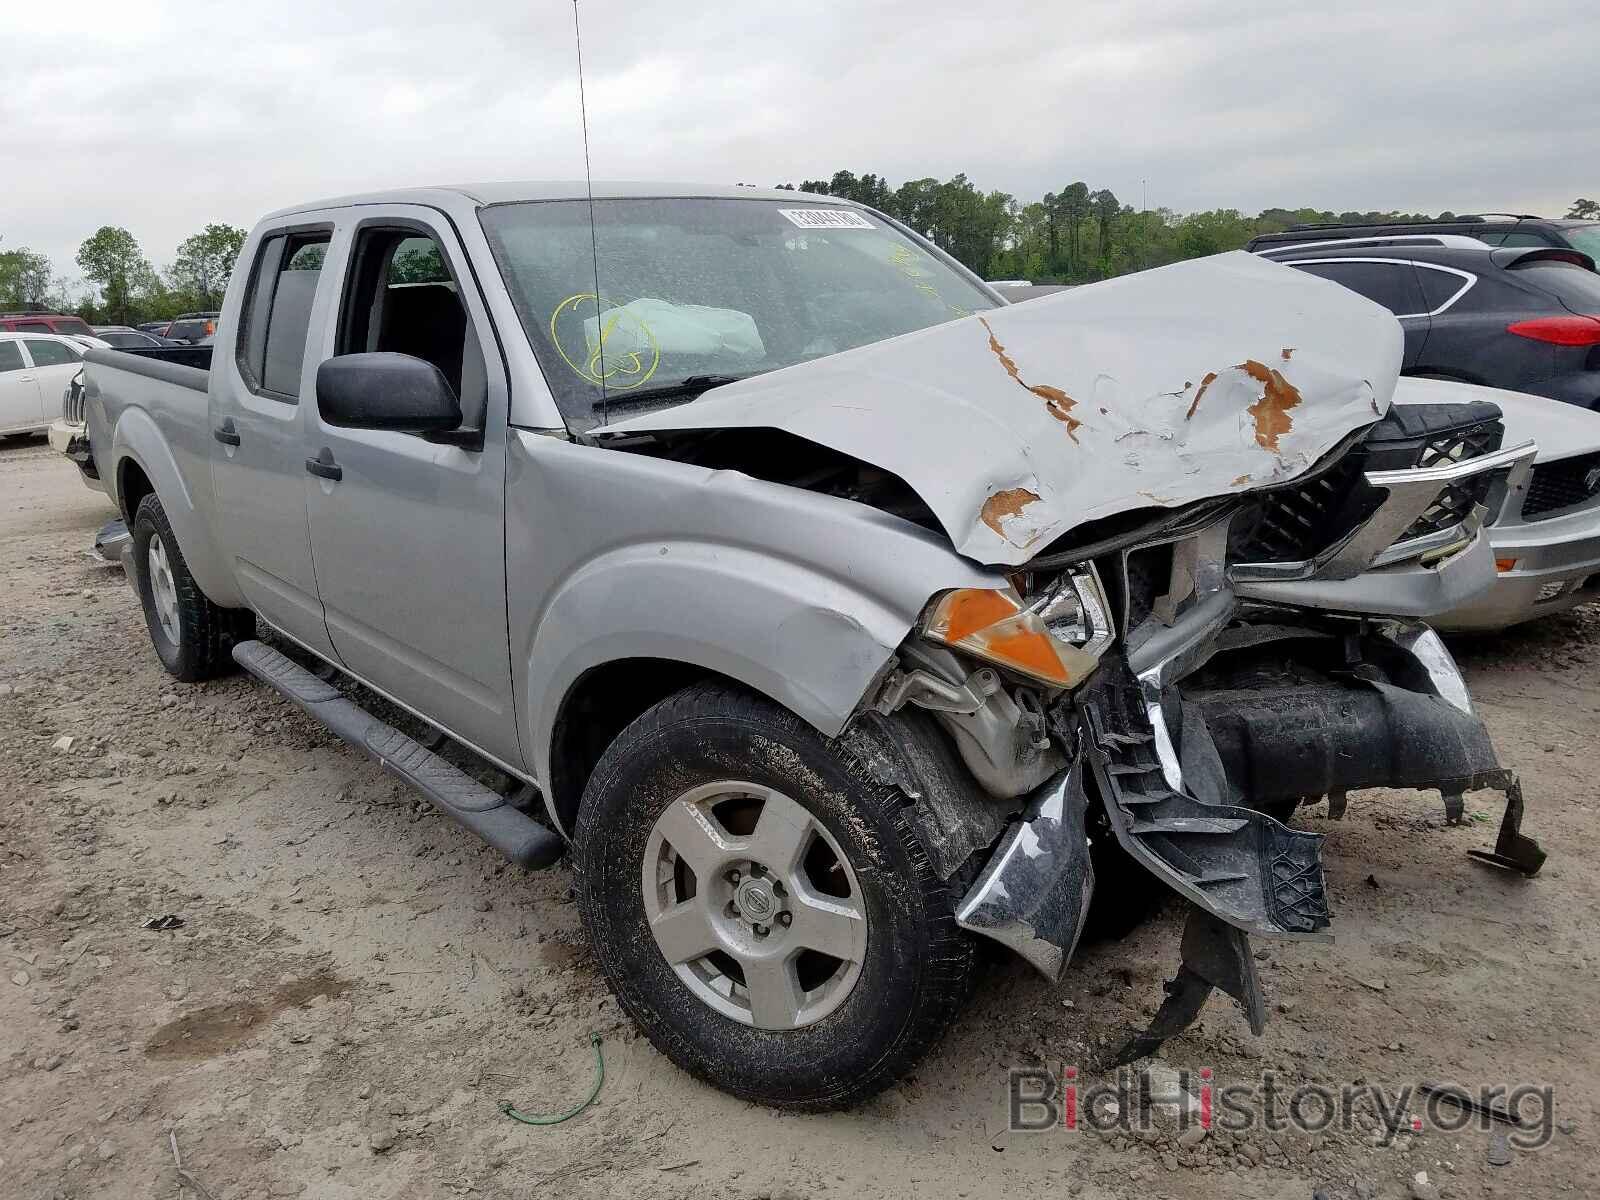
386,391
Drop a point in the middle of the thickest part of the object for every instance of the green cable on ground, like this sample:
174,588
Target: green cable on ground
599,1080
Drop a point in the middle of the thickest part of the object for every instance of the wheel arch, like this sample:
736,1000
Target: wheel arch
143,463
599,705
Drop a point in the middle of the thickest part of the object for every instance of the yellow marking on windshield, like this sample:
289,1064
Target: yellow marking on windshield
618,373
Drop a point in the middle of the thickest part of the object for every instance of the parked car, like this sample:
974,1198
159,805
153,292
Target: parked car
1527,320
1546,538
43,323
190,328
121,337
1492,229
836,613
1546,535
34,368
155,327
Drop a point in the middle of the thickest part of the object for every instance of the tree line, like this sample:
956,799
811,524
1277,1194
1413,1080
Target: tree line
123,287
1076,235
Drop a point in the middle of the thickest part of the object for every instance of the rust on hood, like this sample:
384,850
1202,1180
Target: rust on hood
1271,412
1211,377
1056,402
1004,504
1288,353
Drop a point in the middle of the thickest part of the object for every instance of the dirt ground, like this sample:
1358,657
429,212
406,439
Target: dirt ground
356,983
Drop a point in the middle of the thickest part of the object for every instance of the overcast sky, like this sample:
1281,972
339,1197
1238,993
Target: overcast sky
163,116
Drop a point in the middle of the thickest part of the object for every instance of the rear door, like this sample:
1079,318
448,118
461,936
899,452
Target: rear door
409,540
258,464
55,362
1390,282
20,404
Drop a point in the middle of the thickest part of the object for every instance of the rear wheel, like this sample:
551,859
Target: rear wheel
193,637
760,905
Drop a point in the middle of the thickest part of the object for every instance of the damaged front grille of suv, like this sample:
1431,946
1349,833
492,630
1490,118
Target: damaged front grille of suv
1304,520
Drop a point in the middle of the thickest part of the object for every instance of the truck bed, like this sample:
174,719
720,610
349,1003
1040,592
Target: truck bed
156,403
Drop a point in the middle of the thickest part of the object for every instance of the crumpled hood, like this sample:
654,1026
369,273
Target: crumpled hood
1015,425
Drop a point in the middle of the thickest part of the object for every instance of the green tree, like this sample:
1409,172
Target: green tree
26,279
112,260
205,263
1584,210
1107,208
1075,208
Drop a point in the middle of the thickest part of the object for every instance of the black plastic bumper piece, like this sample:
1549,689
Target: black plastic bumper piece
461,798
1238,864
1286,742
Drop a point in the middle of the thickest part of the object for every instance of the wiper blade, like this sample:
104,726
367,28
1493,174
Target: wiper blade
691,385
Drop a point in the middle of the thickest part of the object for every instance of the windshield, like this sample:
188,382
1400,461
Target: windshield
707,287
1585,238
1576,287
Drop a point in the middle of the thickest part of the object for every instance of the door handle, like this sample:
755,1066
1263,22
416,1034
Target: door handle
225,434
323,466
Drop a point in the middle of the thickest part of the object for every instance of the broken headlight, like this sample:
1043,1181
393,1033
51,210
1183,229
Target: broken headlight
1055,636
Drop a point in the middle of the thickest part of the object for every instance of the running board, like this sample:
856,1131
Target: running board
461,798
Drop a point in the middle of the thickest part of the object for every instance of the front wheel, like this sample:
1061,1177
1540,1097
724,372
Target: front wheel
193,637
760,905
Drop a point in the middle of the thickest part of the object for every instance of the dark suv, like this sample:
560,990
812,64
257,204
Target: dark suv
1523,318
1492,229
190,328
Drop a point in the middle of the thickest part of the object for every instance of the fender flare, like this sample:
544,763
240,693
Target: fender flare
139,440
814,644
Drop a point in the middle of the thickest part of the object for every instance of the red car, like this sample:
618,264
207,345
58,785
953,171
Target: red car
44,323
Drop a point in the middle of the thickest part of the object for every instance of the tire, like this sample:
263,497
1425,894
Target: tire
875,1018
193,637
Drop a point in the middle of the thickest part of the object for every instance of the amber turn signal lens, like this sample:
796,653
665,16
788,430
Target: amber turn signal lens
1505,564
992,624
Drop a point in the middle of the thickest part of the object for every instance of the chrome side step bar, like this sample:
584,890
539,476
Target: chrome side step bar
461,798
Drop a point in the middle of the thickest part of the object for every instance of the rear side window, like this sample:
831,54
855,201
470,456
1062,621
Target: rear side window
10,357
52,354
1576,287
271,345
1438,287
32,327
73,325
1393,285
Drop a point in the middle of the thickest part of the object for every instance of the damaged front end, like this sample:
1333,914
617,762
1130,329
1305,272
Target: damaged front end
1157,688
1204,537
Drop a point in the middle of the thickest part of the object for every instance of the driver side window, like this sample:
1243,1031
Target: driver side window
400,297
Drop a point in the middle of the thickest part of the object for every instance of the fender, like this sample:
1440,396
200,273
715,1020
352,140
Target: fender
139,439
800,596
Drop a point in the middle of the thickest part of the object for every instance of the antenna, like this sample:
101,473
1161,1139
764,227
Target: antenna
594,240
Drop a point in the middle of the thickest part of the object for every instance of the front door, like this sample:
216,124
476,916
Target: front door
258,463
20,405
55,362
409,539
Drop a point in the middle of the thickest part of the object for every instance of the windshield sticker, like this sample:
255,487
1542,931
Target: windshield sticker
826,218
604,343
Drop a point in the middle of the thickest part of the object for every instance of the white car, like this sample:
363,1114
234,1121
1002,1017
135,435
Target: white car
35,369
1546,540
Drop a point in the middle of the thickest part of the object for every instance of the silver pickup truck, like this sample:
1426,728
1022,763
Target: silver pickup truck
836,614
